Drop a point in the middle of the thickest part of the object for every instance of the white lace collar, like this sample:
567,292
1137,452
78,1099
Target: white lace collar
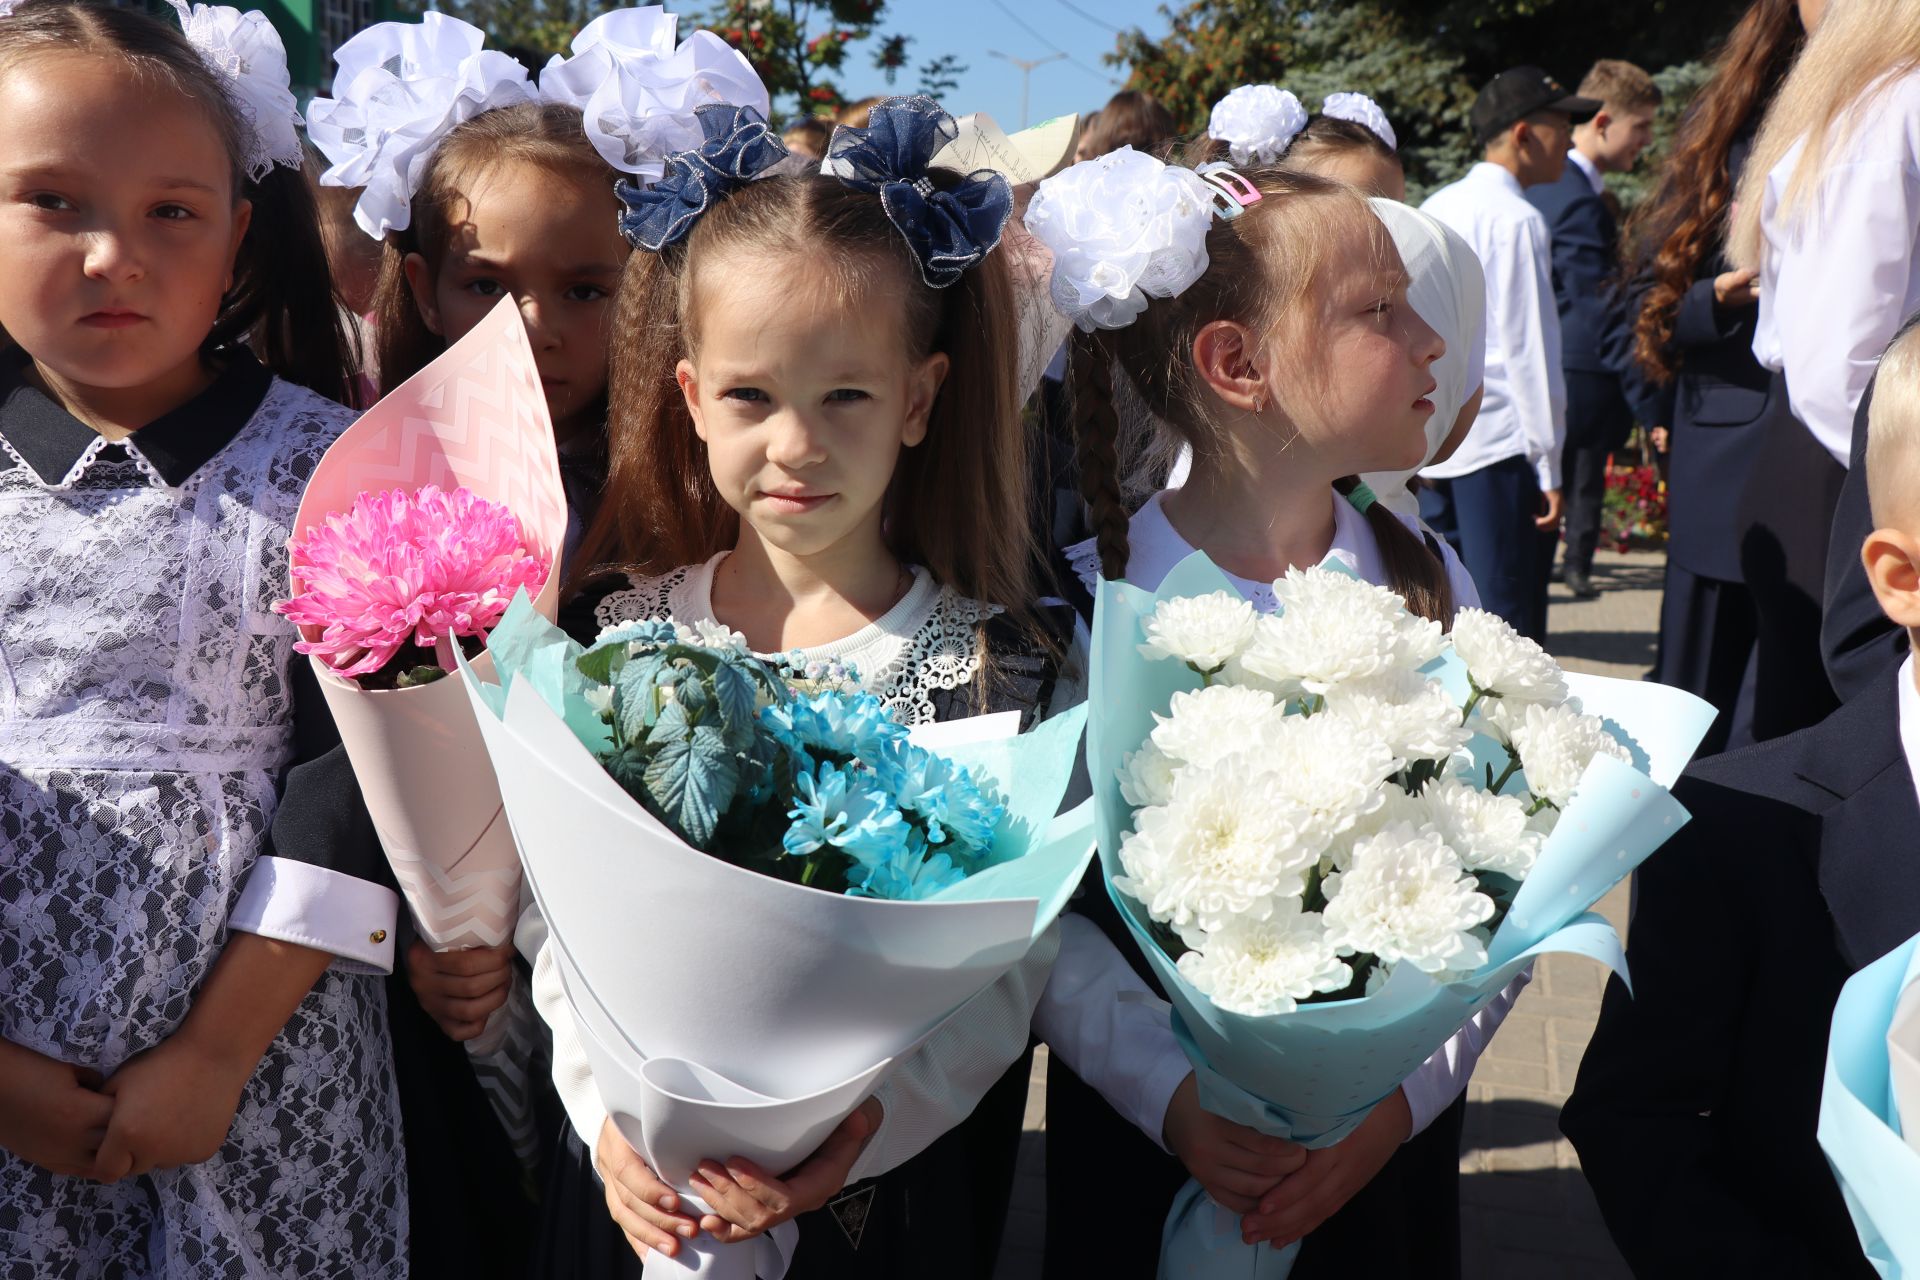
1154,547
929,640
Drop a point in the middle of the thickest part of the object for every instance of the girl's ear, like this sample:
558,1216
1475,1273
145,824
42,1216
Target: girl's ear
683,373
420,284
922,390
242,219
1224,355
1892,559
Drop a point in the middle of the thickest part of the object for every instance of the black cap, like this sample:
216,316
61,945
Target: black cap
1516,94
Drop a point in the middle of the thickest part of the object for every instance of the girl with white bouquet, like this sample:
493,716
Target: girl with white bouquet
816,445
1278,346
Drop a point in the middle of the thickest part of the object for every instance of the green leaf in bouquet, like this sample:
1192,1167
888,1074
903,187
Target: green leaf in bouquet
692,779
600,663
628,767
635,694
738,716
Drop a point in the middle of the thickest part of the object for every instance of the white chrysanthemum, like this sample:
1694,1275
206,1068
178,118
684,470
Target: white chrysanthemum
1146,777
1397,808
1331,769
1503,662
1261,967
1487,832
710,634
1377,978
1333,627
1405,897
1416,716
1203,631
1225,845
1556,744
1205,725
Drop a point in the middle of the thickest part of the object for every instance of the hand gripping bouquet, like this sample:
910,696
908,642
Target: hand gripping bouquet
418,527
668,789
1336,833
1870,1107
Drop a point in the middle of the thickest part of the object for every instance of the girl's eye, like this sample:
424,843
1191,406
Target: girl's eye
846,395
49,201
485,288
586,293
1383,309
173,213
747,395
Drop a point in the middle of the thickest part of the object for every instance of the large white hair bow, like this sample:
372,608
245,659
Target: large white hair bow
1257,122
1123,228
245,50
637,93
400,87
1359,109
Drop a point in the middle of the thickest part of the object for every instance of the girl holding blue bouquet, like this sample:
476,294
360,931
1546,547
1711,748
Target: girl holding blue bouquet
816,444
1268,330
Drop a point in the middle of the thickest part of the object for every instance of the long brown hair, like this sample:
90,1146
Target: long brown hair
1131,118
958,501
1682,223
548,134
281,302
1263,271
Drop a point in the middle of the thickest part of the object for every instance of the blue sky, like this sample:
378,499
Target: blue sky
972,29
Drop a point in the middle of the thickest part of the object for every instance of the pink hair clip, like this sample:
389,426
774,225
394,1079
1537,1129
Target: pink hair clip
1232,192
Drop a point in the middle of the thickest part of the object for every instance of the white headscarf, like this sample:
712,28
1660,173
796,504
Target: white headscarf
1449,292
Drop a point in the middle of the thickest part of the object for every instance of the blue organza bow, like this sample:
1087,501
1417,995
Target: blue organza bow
948,231
738,149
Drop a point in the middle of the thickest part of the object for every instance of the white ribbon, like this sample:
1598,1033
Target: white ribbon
245,50
401,87
637,92
1258,122
1359,109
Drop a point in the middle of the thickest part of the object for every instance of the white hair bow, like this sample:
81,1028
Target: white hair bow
637,93
400,88
1258,122
245,50
1359,109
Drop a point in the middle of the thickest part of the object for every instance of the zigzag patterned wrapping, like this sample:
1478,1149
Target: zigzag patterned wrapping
476,417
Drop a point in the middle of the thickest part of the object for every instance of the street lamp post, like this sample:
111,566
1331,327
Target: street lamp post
1026,74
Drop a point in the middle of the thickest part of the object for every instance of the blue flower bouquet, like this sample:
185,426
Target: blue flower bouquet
1337,832
761,894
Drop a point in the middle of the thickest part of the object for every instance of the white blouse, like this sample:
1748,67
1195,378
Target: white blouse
1837,281
1154,547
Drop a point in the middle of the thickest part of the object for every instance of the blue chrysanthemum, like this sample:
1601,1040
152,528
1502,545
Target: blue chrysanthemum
843,808
833,723
910,876
943,796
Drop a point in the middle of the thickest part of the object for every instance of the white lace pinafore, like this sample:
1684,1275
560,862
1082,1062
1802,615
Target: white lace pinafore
145,712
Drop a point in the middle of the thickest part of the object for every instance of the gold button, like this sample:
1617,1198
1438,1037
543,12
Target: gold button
377,936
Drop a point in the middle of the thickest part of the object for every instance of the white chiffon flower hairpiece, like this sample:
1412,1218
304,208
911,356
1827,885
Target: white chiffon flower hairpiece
400,87
1359,109
245,50
1123,228
1258,122
637,92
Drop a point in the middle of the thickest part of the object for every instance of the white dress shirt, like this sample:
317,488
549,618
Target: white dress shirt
1585,166
1837,280
1154,547
1910,721
1524,412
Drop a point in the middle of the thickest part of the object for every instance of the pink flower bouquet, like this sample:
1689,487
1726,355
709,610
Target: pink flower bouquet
418,528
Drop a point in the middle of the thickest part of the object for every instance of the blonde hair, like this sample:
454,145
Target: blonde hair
1859,46
1893,432
1621,85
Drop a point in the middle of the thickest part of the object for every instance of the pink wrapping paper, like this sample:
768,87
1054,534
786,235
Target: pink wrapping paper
476,417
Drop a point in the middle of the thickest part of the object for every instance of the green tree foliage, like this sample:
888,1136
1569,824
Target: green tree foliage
800,48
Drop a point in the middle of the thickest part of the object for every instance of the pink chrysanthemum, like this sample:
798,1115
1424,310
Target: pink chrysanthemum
407,566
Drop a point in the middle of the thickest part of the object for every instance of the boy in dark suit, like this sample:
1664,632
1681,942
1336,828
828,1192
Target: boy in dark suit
1596,332
1696,1106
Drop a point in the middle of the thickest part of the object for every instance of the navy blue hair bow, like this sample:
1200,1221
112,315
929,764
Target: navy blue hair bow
948,231
738,149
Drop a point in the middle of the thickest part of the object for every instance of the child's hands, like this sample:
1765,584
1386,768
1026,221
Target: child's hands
643,1207
460,989
51,1113
1330,1177
1235,1164
172,1105
747,1201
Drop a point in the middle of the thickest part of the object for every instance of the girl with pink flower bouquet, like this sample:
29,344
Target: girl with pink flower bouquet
195,1076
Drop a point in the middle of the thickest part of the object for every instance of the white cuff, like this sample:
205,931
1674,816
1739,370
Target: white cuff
320,908
572,1072
1547,472
1104,1023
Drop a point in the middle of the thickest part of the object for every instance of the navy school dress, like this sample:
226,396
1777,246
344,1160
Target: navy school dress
1109,1187
940,1215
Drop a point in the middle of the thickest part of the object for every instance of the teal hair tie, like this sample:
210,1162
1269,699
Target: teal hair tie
1361,497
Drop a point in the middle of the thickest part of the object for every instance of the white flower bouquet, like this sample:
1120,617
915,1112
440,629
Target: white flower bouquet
1337,832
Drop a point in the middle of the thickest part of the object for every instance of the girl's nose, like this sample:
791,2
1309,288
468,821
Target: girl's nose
112,256
793,442
543,336
1427,344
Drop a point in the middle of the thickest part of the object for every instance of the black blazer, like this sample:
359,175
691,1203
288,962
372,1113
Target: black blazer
1595,330
1857,641
1696,1105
